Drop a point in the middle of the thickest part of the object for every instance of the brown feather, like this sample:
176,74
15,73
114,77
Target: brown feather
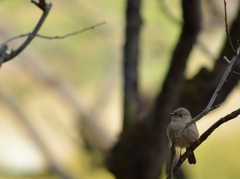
192,159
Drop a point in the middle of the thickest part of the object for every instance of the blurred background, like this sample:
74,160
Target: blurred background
61,100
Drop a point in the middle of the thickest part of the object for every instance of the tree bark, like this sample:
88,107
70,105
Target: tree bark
131,57
141,151
198,90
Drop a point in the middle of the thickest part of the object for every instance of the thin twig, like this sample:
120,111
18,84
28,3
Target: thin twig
204,136
55,37
226,24
70,34
237,64
16,37
226,59
236,72
219,87
6,57
209,108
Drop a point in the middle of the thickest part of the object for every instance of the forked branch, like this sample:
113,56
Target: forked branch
227,72
203,137
210,107
4,56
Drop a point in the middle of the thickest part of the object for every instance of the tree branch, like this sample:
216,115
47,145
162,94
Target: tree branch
40,4
54,37
4,57
204,136
209,107
174,81
196,89
227,72
218,89
70,34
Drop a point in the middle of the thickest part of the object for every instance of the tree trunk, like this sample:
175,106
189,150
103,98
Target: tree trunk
143,147
131,106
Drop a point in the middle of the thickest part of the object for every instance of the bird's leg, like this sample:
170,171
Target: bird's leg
180,152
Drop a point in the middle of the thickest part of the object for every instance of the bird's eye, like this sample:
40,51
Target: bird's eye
181,115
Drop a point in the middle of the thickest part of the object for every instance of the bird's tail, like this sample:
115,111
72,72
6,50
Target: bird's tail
192,159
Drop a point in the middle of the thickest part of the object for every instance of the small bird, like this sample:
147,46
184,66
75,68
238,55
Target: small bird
180,117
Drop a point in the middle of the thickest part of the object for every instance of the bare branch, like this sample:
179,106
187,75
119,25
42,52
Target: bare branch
55,37
226,24
70,34
41,4
236,72
210,106
226,59
4,57
218,89
204,136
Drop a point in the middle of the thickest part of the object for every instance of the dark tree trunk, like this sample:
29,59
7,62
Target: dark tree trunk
198,90
131,58
143,148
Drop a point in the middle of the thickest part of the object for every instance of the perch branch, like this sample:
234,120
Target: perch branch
218,89
190,31
204,136
209,108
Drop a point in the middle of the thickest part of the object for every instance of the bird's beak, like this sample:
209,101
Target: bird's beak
172,113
